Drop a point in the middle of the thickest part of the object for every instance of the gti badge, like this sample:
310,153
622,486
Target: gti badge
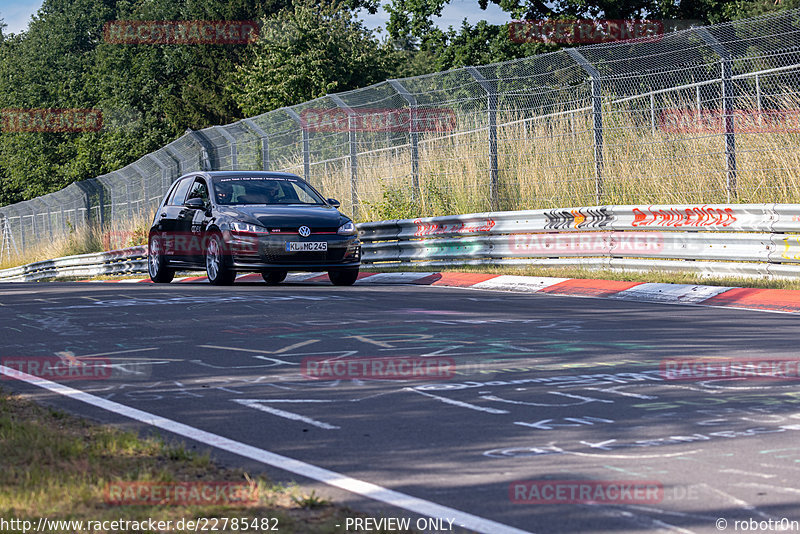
304,231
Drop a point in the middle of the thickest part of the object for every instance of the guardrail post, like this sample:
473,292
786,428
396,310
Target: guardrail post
232,142
726,65
491,104
249,123
352,126
414,135
206,150
306,149
597,111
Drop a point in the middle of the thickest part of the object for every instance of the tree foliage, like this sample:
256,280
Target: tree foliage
306,52
150,93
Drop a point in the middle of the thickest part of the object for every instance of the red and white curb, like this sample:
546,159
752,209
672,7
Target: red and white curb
773,300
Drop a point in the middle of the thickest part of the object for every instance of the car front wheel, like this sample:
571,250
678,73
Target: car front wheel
157,263
218,268
343,277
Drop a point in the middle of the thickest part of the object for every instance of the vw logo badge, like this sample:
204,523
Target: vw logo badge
304,231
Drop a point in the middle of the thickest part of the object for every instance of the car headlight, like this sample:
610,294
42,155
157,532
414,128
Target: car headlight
347,228
241,228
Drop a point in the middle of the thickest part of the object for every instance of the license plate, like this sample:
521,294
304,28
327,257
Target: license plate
306,246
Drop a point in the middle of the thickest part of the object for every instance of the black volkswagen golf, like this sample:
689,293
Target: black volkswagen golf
234,221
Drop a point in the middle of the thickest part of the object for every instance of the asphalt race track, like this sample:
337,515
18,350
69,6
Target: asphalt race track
567,392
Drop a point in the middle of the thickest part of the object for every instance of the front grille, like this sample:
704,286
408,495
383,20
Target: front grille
276,253
292,230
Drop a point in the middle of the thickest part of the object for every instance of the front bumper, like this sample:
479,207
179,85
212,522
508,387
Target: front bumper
270,252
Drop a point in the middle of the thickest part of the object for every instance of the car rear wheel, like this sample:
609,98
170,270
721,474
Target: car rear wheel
157,263
273,278
343,277
218,268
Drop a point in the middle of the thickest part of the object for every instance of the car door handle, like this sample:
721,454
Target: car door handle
163,214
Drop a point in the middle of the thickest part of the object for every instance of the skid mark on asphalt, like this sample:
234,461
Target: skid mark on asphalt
353,485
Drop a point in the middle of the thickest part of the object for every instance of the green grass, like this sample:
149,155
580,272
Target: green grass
58,466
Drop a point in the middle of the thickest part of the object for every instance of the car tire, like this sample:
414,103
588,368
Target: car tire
157,263
273,278
218,268
343,277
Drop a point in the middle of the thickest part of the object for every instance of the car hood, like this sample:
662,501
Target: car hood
288,216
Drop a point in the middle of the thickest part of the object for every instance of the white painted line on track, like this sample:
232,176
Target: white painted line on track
459,403
353,485
255,403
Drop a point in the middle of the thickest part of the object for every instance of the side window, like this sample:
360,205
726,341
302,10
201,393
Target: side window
199,190
179,194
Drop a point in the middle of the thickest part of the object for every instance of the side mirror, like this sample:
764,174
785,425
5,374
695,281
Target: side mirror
195,204
333,202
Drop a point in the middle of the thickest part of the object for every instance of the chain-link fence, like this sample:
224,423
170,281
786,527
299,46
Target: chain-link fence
704,115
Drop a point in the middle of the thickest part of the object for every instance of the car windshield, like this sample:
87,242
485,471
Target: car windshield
259,190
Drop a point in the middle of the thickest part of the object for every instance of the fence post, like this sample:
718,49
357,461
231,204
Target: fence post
232,142
206,150
414,134
135,166
178,158
758,97
726,65
129,200
597,111
306,150
491,105
164,172
22,231
653,113
249,123
352,126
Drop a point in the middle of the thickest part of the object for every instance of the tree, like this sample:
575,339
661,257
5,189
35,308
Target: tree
307,52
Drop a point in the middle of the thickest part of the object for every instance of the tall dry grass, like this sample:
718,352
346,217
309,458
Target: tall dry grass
83,240
542,164
550,164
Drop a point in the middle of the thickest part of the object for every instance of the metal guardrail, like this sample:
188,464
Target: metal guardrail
760,240
115,262
723,239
